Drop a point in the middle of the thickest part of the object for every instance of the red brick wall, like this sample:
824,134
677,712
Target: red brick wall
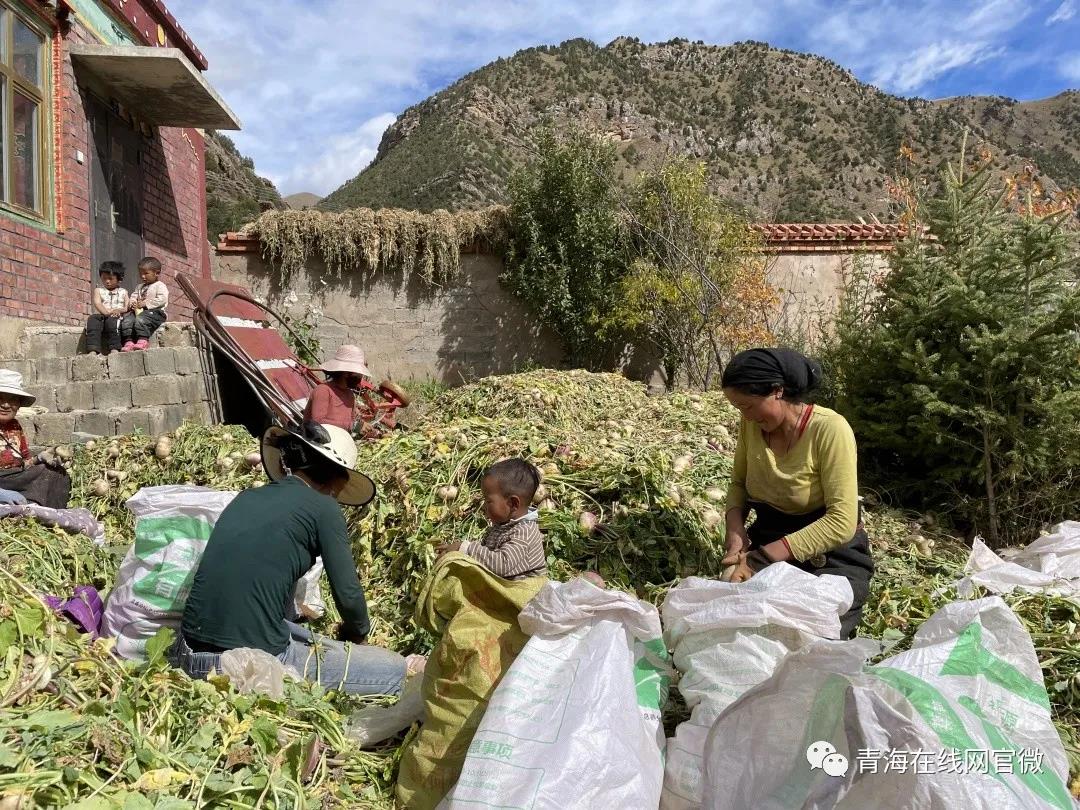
48,276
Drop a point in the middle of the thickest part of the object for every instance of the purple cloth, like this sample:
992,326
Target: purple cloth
84,609
72,520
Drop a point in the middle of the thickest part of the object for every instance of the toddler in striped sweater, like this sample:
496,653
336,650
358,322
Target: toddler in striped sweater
513,547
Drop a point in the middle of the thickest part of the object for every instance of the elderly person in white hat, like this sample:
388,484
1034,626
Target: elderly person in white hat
22,479
264,541
334,401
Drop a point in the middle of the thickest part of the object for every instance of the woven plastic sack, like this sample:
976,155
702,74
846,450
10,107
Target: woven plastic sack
1051,564
961,720
475,614
727,638
575,723
172,525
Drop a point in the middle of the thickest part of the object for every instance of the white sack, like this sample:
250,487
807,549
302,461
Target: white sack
900,732
728,637
575,722
1051,564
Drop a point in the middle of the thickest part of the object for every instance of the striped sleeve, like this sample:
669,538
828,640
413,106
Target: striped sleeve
513,552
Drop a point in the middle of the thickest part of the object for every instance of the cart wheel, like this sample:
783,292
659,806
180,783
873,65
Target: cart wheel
395,391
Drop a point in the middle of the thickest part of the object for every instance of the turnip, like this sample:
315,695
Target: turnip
116,475
113,451
711,518
540,494
100,487
226,464
550,469
715,494
682,463
63,452
254,459
448,492
90,445
546,505
587,522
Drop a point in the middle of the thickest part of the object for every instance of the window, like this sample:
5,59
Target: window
22,107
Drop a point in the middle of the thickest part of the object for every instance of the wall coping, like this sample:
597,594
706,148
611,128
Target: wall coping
780,237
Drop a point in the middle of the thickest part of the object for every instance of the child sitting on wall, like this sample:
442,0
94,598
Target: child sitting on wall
110,302
513,547
146,309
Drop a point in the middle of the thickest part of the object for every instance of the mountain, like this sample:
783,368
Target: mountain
234,193
302,200
790,136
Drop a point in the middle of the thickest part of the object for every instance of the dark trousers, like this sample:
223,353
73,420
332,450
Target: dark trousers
102,332
39,484
140,327
851,560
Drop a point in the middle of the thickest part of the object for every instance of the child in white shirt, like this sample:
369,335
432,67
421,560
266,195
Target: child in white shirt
146,307
110,302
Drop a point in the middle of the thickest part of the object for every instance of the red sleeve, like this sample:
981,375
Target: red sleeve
318,406
24,446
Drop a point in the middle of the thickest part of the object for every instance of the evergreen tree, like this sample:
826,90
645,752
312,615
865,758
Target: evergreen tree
961,373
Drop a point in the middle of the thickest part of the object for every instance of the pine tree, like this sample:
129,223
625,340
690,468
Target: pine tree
961,377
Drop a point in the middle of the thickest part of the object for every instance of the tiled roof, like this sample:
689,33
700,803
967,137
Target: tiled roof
831,232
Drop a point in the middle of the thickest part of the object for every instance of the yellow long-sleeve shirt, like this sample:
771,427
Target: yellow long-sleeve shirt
819,471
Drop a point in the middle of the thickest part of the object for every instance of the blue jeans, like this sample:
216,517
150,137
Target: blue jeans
357,669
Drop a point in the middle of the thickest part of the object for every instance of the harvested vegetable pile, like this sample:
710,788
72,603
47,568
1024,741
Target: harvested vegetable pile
633,488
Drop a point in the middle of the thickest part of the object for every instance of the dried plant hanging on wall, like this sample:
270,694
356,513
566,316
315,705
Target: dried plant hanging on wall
366,241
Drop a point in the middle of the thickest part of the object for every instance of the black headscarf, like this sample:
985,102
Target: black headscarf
759,371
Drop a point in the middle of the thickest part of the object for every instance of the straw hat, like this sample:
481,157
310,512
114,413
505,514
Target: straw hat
348,358
11,383
340,449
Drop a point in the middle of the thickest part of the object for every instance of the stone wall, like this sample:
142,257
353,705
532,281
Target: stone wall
475,326
410,329
810,285
80,396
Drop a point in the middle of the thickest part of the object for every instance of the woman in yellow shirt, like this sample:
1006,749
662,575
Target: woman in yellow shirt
795,466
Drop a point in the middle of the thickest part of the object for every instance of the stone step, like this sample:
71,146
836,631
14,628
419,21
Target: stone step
47,429
40,342
53,371
104,394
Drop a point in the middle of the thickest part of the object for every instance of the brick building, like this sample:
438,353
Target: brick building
101,102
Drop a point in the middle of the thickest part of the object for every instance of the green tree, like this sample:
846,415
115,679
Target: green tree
697,287
960,373
565,255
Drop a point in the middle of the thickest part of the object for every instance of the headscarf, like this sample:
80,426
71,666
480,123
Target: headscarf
796,373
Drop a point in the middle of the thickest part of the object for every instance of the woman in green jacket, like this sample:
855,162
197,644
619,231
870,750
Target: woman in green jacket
795,467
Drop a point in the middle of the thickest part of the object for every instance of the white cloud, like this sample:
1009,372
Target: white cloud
931,61
1065,12
339,159
1069,67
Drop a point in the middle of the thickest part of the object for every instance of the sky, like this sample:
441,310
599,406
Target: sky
316,82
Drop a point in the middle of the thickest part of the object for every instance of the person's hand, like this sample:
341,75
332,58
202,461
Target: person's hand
735,568
446,548
349,635
11,498
737,540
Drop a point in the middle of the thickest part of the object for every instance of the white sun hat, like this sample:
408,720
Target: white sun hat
340,449
11,383
347,358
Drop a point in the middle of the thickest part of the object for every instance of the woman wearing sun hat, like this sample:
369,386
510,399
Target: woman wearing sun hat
22,477
334,401
268,538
